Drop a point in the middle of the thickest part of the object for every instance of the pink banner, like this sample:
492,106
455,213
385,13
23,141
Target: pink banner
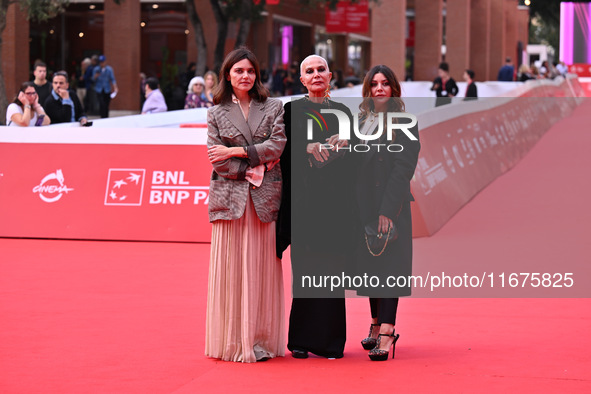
153,184
461,155
582,70
104,191
348,18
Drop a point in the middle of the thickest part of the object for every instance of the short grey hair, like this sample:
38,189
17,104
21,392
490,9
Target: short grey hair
310,58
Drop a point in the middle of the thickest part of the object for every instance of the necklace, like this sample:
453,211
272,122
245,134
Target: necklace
325,100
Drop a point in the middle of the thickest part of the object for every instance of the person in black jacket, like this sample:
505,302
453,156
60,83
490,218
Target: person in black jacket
444,86
63,105
471,90
383,195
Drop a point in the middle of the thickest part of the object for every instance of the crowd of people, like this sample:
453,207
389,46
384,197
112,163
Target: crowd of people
54,101
537,70
546,70
94,85
445,86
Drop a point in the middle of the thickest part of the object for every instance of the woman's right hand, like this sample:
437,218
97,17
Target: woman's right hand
384,224
315,149
336,142
35,102
220,152
23,98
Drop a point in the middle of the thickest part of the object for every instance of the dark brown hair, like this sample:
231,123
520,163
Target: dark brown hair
23,88
61,73
396,104
39,63
444,66
152,83
223,91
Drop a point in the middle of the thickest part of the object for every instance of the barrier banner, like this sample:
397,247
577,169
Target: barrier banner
105,191
152,184
581,69
463,154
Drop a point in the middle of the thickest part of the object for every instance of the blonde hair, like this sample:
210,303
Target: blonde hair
215,78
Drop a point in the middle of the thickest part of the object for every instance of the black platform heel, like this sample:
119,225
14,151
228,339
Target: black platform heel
377,354
369,342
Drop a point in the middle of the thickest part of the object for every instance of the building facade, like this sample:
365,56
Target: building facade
156,38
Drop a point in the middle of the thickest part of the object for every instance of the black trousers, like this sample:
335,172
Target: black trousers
318,325
104,101
384,309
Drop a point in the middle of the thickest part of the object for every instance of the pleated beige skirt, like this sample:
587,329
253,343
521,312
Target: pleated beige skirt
245,291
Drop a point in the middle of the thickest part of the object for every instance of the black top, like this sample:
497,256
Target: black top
317,210
525,77
444,91
450,88
320,195
383,188
43,91
471,91
62,113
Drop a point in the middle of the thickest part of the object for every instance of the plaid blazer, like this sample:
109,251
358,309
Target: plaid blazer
264,137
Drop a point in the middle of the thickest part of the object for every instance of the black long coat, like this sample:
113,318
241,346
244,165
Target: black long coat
383,188
319,209
59,112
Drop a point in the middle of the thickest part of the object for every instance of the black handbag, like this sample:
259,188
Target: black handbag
332,155
379,241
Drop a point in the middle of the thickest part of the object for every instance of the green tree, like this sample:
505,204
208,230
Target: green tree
545,23
226,11
545,17
547,10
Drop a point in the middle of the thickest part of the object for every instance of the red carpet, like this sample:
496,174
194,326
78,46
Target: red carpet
123,317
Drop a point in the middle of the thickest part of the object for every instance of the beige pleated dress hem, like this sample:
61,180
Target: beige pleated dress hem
245,291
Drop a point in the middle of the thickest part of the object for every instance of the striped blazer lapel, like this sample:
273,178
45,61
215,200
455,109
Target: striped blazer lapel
255,115
234,115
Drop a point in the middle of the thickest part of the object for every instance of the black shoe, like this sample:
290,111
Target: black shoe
377,354
370,342
296,353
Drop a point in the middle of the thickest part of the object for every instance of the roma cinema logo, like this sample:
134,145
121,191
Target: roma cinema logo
52,187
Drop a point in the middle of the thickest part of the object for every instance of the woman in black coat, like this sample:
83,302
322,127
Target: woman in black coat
383,202
317,212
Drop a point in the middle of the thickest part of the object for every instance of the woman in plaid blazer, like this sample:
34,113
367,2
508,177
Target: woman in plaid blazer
246,137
